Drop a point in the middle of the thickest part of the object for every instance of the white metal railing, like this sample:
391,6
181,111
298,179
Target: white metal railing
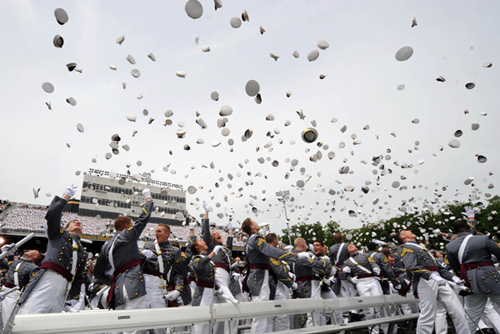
99,321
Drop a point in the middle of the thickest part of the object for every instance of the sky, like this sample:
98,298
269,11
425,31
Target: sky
393,109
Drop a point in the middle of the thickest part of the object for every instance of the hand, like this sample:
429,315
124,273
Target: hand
70,191
304,255
229,227
146,193
295,286
376,271
437,232
147,253
333,272
440,281
379,242
217,249
205,206
265,230
289,248
311,247
469,212
457,280
426,236
292,276
10,249
327,281
354,280
192,226
172,295
397,287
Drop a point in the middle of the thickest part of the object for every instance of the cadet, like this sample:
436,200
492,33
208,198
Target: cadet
163,272
281,284
470,256
361,270
19,274
258,252
63,266
204,270
127,290
429,280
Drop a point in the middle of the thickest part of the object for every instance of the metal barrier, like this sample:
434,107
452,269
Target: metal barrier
100,321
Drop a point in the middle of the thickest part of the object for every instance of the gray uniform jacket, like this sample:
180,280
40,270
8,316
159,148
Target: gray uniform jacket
258,252
25,269
304,272
224,258
280,272
420,264
173,271
478,270
363,260
386,272
128,272
204,270
59,255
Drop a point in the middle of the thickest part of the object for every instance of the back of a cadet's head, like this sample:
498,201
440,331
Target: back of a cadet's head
371,246
385,251
338,237
247,226
194,250
121,223
300,242
460,225
270,237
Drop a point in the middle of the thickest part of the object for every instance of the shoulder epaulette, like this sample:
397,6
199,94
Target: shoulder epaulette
406,250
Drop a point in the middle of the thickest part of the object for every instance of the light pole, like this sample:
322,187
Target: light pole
283,196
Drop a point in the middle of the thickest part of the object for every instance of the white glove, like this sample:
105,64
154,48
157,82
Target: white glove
295,286
398,287
173,295
378,242
440,281
311,247
376,271
147,193
304,255
205,206
70,191
346,269
437,232
333,272
354,280
217,249
147,253
10,249
265,230
229,227
469,212
457,280
327,281
192,226
426,236
289,248
292,276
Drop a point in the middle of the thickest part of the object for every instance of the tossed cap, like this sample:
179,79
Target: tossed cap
61,16
404,53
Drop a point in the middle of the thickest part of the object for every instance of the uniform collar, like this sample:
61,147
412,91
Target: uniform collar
463,234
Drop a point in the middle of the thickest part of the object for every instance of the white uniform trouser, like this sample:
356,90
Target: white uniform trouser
154,296
47,296
8,304
222,280
259,325
369,286
441,323
348,289
313,318
281,322
135,304
475,306
428,295
207,299
323,316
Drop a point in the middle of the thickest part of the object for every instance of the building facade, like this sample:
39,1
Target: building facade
110,195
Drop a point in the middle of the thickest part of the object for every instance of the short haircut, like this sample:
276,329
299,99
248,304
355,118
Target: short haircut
121,223
247,226
398,237
166,227
460,225
371,246
271,237
386,251
193,247
74,220
321,243
338,237
300,241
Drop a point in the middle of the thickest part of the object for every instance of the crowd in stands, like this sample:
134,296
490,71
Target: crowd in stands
32,219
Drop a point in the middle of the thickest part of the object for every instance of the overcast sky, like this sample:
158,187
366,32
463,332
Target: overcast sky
453,39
